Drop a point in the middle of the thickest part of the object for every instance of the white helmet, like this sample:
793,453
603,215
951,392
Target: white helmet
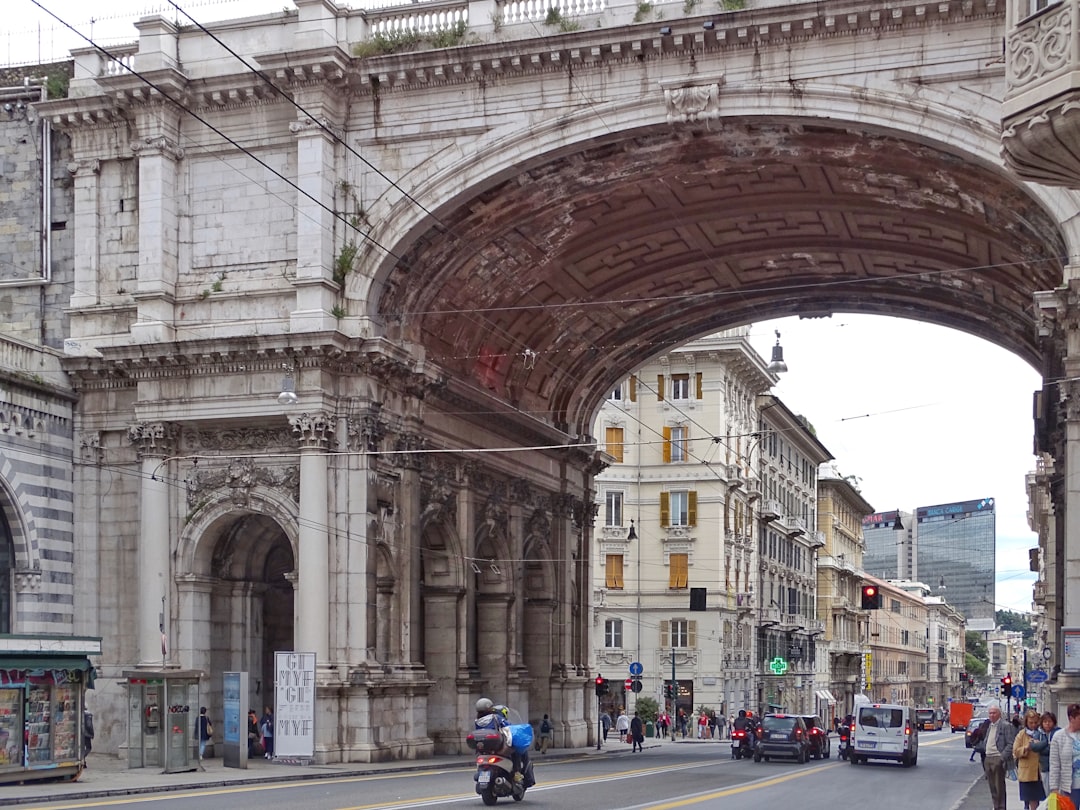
484,706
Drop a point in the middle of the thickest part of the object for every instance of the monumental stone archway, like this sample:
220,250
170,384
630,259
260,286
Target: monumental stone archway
451,256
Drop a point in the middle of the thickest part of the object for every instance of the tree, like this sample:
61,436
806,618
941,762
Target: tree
647,709
974,667
1016,622
975,645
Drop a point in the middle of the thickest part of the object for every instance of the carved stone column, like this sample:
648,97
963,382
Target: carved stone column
313,431
86,245
154,442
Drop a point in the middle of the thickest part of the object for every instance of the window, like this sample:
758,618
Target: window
613,440
613,509
680,386
678,576
678,633
613,574
616,394
613,633
678,508
675,444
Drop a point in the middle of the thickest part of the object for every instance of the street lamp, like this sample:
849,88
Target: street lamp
777,364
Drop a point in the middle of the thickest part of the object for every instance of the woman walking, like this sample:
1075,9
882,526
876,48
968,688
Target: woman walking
1027,762
1048,727
1064,752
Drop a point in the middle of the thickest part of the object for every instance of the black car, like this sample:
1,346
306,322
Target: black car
782,735
818,736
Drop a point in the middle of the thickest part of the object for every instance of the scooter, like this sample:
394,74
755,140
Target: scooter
742,744
496,777
844,746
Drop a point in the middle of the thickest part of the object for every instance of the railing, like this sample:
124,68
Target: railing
733,474
770,616
792,525
771,509
1040,55
424,19
30,360
753,488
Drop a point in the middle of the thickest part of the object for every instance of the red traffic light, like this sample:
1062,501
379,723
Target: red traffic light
599,680
870,590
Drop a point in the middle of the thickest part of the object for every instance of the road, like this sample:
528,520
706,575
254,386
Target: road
683,775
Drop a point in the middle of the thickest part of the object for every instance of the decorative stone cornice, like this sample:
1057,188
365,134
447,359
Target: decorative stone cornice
232,439
157,146
313,430
154,439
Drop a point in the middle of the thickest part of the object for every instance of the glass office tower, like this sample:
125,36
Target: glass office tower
955,545
889,553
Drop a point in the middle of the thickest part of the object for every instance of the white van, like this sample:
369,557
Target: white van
884,731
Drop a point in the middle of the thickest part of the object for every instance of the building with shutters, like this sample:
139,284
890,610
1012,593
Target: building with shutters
680,527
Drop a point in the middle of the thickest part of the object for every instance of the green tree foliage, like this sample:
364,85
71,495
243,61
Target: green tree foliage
975,645
647,709
974,667
1016,622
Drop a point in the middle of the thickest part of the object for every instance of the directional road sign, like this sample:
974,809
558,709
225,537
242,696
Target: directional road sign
1037,676
1018,691
636,668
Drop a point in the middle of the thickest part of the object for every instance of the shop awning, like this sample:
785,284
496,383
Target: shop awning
826,695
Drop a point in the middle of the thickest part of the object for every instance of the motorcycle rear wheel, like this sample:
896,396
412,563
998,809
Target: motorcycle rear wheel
489,797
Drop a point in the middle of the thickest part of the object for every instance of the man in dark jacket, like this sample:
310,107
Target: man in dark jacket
637,732
996,745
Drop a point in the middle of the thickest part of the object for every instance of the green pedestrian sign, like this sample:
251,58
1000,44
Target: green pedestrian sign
778,666
1030,702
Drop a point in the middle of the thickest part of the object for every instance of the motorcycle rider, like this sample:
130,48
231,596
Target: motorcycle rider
497,716
743,723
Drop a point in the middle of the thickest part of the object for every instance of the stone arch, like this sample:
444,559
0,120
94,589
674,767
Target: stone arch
236,572
17,525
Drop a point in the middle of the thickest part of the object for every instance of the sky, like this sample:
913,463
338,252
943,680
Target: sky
927,415
922,415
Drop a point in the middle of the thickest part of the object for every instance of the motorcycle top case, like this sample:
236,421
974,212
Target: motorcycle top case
486,741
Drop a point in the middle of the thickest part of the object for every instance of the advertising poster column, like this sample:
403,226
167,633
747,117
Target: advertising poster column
294,692
234,692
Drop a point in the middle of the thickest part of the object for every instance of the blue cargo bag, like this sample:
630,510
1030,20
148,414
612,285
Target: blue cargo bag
521,737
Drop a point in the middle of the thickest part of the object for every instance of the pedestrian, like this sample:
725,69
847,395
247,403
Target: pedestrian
252,732
721,727
1027,761
206,731
1048,727
712,726
702,726
683,722
87,733
547,731
605,724
662,723
622,725
997,745
637,733
1065,757
266,729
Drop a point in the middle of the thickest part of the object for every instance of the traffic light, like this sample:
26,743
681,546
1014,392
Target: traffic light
963,677
601,686
1006,685
669,691
871,597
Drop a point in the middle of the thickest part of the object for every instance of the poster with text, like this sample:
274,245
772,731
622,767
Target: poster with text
294,709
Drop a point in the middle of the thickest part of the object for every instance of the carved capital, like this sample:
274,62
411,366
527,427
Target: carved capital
156,439
90,450
409,449
312,430
85,167
315,126
158,145
27,580
366,430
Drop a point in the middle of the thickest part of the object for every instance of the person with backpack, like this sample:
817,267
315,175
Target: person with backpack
547,731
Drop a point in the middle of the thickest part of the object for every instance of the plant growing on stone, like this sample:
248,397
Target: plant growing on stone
689,6
343,262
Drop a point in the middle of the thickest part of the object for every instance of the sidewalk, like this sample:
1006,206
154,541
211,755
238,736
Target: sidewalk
107,775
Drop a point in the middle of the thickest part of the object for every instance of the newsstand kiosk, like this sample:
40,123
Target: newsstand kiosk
163,709
43,683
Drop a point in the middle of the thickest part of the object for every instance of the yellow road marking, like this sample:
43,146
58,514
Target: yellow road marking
734,791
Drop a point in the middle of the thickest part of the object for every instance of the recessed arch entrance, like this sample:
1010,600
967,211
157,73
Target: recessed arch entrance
237,596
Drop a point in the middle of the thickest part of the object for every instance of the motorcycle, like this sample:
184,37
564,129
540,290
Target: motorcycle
742,744
844,745
496,775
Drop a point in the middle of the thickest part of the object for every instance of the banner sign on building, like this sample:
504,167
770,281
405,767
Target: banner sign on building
294,705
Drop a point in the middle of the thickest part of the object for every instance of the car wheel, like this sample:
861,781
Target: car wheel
757,757
828,752
854,760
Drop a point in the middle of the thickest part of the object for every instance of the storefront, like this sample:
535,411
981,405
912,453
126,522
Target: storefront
43,683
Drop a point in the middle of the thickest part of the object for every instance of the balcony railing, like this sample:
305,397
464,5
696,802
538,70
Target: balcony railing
770,616
1039,113
753,489
792,525
733,474
771,509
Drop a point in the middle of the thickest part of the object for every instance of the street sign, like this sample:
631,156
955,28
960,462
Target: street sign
629,683
1030,702
1018,691
1037,676
636,668
636,687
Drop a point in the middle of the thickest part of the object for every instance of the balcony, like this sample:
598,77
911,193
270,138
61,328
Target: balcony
770,616
771,509
1040,114
792,526
815,626
753,489
817,539
733,474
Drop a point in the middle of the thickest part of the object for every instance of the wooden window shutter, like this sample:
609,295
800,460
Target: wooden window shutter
691,633
698,376
665,634
665,509
633,388
614,571
614,441
691,508
677,571
667,445
659,387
